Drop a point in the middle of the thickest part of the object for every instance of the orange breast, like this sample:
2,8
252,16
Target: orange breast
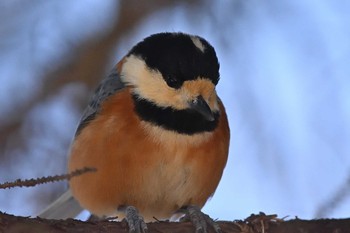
138,164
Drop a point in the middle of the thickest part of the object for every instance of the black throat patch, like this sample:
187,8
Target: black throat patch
182,121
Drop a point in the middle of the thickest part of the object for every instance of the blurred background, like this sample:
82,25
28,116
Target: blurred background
285,82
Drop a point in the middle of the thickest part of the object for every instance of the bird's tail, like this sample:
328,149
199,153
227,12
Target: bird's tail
64,207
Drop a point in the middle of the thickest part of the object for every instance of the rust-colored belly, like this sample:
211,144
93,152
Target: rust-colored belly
136,166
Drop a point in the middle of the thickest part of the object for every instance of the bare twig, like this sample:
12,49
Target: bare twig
46,179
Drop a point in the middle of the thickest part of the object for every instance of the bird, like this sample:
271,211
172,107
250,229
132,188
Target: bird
157,134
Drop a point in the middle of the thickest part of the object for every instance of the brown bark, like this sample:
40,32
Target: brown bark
257,224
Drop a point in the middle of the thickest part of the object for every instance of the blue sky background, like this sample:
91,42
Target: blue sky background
284,81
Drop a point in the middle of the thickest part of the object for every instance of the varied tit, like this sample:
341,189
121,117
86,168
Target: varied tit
157,134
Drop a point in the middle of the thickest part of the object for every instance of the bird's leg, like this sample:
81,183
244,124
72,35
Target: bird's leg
134,219
199,220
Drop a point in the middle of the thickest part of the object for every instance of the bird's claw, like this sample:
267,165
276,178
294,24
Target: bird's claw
199,220
135,220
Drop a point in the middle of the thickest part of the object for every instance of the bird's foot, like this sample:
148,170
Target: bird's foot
135,220
199,220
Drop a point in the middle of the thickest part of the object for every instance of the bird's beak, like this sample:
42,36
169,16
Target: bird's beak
200,105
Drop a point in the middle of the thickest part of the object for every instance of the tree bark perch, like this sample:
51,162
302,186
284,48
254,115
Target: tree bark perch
15,224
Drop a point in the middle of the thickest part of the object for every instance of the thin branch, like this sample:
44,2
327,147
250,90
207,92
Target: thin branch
46,179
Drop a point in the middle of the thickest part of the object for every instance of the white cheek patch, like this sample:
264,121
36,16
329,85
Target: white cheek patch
149,84
133,68
196,41
143,81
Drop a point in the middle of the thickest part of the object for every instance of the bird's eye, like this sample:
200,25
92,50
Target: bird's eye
173,82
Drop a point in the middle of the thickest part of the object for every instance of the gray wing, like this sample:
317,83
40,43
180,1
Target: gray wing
110,85
66,206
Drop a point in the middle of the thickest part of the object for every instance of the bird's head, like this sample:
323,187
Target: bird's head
173,77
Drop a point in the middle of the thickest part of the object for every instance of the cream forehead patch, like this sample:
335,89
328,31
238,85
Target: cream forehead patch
196,41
